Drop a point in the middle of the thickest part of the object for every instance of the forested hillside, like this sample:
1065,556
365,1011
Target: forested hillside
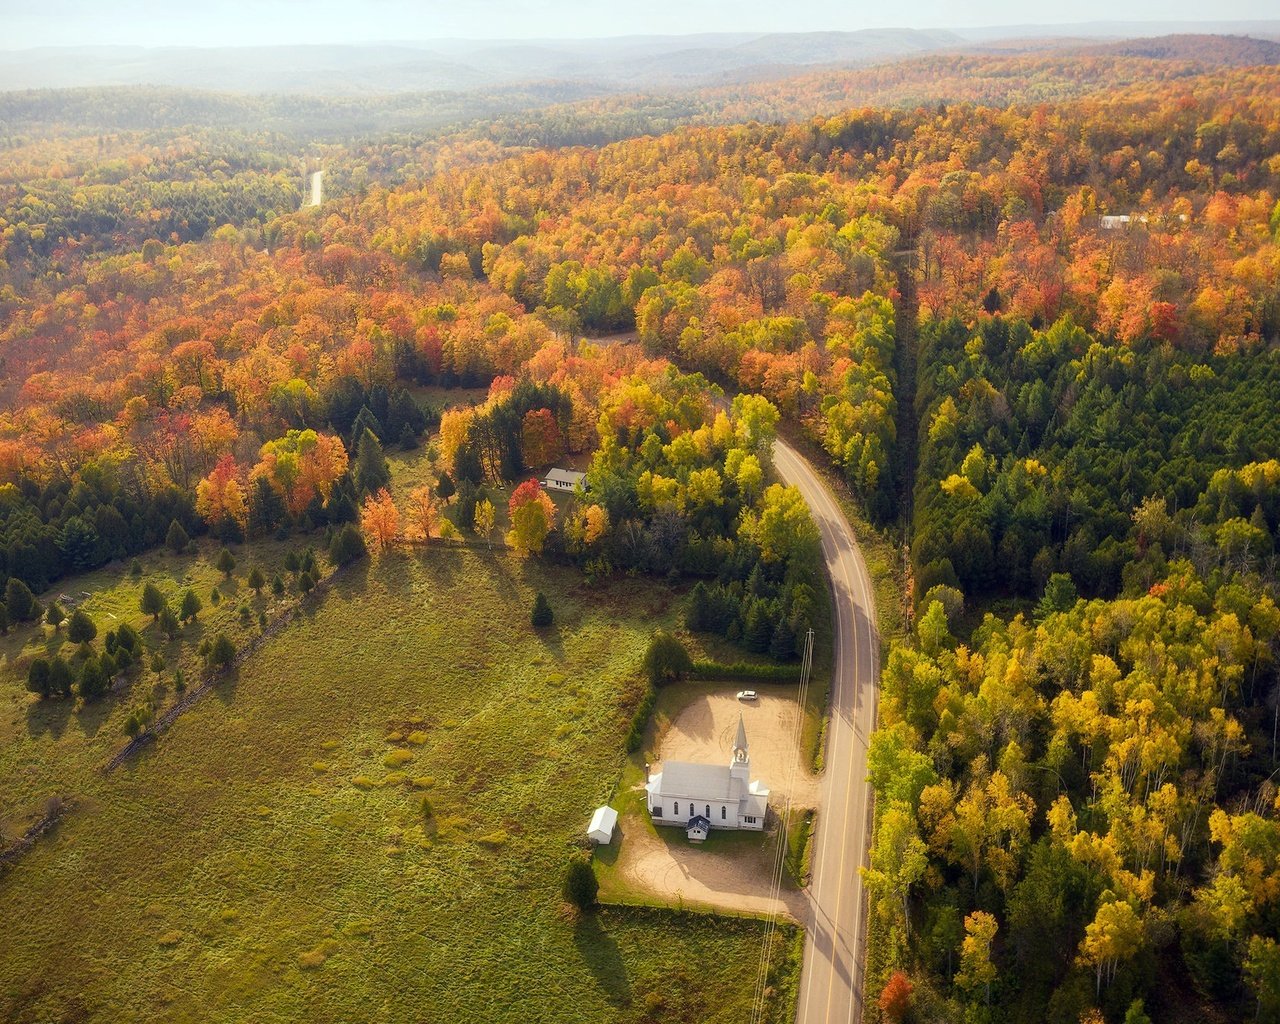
1038,338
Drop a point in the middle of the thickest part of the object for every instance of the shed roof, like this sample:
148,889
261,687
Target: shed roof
604,820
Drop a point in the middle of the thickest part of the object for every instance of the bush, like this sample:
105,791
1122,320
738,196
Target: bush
169,624
580,885
81,629
744,671
305,583
542,616
347,546
256,580
94,679
277,585
60,677
640,719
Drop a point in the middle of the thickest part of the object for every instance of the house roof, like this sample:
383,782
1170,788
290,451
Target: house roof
604,819
699,821
564,476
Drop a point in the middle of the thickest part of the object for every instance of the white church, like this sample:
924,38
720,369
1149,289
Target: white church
700,797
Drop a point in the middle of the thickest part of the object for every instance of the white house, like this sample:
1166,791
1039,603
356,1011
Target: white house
602,823
701,797
562,479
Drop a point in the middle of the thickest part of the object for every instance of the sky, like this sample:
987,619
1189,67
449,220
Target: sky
28,23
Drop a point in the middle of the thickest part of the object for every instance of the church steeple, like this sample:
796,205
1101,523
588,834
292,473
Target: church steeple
740,766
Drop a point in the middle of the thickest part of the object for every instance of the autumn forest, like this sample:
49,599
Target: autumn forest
1024,309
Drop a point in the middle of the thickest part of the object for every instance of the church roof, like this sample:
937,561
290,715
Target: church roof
702,781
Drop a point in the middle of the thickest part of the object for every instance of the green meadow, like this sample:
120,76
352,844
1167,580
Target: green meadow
368,822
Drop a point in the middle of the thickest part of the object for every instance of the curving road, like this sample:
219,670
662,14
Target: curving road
831,984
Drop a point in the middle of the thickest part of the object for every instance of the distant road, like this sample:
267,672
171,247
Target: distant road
831,984
317,188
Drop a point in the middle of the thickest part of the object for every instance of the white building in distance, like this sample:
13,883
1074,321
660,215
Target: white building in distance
562,479
702,797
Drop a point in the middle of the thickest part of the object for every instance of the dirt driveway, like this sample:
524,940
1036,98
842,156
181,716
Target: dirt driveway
703,731
732,870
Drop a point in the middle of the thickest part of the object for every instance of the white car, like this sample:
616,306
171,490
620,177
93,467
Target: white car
747,695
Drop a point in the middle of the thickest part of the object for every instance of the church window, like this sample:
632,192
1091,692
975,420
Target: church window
708,810
724,812
676,811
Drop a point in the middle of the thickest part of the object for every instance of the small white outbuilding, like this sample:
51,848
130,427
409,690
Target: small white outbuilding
602,824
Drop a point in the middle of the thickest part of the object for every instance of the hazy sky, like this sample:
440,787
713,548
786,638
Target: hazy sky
25,23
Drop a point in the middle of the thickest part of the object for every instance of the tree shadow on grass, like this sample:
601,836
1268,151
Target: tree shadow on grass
600,953
50,715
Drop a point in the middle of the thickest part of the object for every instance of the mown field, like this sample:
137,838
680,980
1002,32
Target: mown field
368,822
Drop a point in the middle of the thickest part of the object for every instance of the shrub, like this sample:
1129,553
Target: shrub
256,580
542,616
94,679
666,660
169,624
305,583
277,585
580,885
135,568
81,628
60,677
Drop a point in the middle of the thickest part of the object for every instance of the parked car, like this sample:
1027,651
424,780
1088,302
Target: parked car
747,695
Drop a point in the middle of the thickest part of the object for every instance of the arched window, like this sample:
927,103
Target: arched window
676,811
724,812
708,812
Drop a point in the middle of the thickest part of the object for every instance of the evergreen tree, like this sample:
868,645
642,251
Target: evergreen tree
371,472
782,645
256,580
266,509
666,660
54,615
20,602
347,546
38,677
445,488
277,585
4,619
365,420
223,652
169,624
696,616
81,628
94,680
190,606
60,677
408,440
542,615
152,601
226,563
176,540
291,561
305,583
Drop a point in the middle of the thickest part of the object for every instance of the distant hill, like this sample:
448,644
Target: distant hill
628,62
1231,51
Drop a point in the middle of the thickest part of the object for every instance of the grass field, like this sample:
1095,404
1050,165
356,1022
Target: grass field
368,822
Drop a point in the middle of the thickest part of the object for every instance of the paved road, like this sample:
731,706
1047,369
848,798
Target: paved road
835,944
317,188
